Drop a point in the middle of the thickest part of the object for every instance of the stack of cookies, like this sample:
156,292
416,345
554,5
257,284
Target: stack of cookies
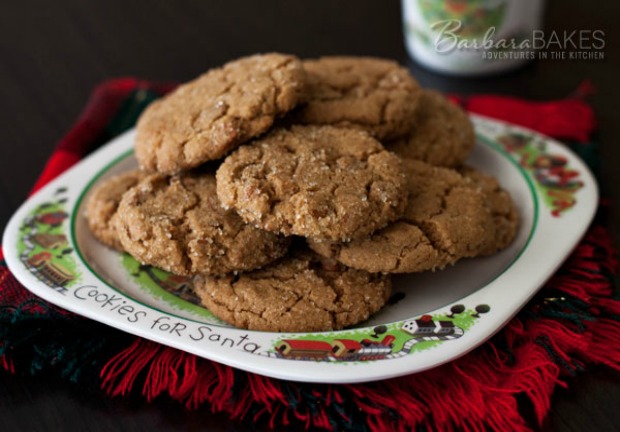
292,190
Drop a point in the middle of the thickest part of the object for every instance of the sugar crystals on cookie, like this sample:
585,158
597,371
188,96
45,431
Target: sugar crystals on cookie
323,182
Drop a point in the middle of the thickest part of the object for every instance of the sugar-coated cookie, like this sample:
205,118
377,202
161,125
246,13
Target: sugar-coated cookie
301,292
375,94
204,119
177,223
443,134
103,203
503,209
322,182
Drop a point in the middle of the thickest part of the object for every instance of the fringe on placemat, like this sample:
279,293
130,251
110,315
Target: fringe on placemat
572,322
37,336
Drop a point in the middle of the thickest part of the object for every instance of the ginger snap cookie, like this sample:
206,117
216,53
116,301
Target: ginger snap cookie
302,292
375,94
103,203
176,223
207,117
443,134
322,182
503,209
446,219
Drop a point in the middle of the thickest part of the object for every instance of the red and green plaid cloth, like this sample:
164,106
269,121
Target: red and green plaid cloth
572,324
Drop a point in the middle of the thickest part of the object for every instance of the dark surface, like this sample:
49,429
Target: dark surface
53,53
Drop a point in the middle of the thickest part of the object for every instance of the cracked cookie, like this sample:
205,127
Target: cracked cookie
303,292
375,94
177,223
446,219
314,181
503,209
103,204
443,134
207,117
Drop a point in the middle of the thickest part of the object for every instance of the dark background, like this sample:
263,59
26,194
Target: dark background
53,53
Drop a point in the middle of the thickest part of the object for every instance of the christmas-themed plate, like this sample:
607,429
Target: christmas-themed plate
431,318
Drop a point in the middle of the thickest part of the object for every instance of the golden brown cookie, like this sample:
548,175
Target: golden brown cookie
447,218
103,203
177,224
503,209
375,94
302,292
207,117
314,181
443,134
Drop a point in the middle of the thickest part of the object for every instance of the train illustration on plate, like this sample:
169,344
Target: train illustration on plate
422,329
44,245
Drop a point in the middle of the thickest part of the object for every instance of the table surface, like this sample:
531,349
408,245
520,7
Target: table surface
53,53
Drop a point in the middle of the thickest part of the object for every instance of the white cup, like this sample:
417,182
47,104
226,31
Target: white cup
472,37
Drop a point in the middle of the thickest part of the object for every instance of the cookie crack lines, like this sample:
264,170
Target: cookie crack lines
404,251
277,90
220,107
382,113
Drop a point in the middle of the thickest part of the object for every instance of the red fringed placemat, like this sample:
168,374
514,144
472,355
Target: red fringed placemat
571,324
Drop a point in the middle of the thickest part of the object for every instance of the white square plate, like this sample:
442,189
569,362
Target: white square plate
433,317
